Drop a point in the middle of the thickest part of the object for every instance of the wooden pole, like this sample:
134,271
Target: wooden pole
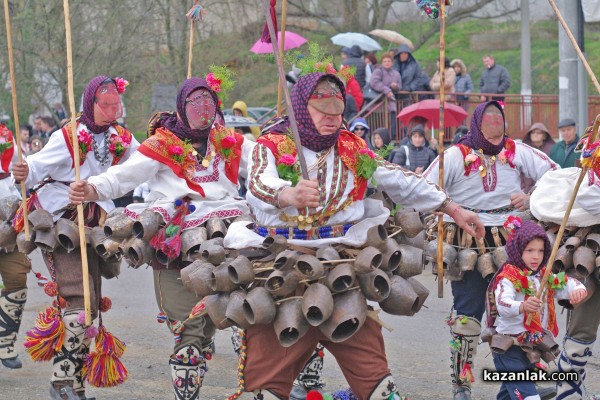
440,243
190,51
80,221
17,130
286,92
593,136
281,51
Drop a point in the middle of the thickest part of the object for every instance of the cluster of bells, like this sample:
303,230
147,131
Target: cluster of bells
294,289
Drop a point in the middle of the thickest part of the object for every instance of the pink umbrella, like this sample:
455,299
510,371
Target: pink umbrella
430,110
292,40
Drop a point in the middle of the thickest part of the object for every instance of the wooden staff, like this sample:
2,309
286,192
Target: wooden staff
592,139
190,51
80,221
286,92
17,131
281,51
440,242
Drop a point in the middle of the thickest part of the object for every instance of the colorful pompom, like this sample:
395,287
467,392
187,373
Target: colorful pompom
177,338
51,289
191,208
178,202
46,338
105,304
103,368
161,318
91,332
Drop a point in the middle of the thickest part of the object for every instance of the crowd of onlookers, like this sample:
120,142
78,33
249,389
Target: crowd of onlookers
398,73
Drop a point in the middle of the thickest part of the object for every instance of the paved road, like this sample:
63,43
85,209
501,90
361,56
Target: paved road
417,349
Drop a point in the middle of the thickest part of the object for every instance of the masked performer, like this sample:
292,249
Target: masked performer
482,173
193,166
329,207
102,143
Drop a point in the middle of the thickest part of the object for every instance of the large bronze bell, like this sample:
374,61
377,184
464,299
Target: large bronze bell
26,246
349,314
107,248
67,234
97,236
282,283
240,270
499,256
375,285
286,260
192,239
467,259
421,291
402,299
215,228
235,310
572,243
340,278
485,265
411,222
212,252
289,323
200,279
45,240
220,281
418,241
118,227
41,220
275,244
411,262
392,255
216,306
310,267
367,260
317,304
327,253
584,260
563,260
8,207
138,252
259,307
147,224
593,241
376,236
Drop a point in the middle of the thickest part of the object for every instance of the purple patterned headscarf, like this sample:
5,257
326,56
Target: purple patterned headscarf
475,138
301,91
178,124
520,238
89,94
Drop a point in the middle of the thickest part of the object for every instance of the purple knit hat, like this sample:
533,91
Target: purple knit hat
519,239
475,138
178,124
89,95
309,136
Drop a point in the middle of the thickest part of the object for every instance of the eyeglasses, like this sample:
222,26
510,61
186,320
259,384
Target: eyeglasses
359,129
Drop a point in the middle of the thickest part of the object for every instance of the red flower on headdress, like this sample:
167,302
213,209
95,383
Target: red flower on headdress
228,142
512,223
213,82
121,84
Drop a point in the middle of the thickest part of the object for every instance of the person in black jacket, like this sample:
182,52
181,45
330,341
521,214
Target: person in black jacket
414,156
494,79
354,59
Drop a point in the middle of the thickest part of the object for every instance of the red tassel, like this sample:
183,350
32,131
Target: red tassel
266,37
158,238
171,247
466,375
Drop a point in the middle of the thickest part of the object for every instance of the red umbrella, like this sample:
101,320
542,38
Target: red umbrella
430,110
292,40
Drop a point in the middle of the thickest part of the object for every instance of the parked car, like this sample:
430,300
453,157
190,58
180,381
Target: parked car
260,114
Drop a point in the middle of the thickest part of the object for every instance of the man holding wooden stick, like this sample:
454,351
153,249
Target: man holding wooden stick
102,143
331,205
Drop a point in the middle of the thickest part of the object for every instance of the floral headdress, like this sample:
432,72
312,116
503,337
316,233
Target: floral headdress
121,84
220,80
317,60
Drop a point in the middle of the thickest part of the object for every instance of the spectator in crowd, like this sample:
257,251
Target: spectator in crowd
463,83
460,131
354,89
409,68
370,65
380,138
361,129
449,75
59,111
353,58
47,127
563,152
25,131
37,125
494,79
387,80
414,156
36,144
240,109
539,138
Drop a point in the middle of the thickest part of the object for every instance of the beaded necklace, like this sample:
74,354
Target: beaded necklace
101,158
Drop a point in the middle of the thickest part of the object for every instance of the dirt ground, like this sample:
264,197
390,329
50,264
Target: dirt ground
417,349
